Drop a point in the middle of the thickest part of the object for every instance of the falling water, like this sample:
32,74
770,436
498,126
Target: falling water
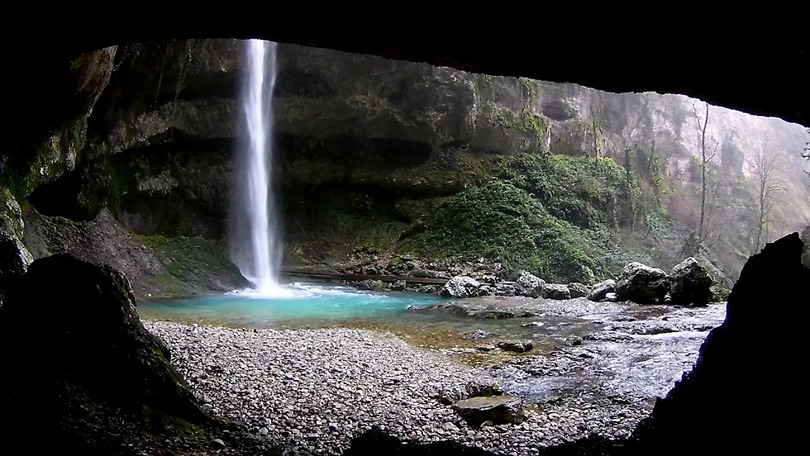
255,243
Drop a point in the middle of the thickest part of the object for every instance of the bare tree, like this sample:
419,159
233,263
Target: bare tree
806,153
702,121
768,192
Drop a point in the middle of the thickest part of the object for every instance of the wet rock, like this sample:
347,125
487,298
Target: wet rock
461,287
601,289
528,284
556,291
533,324
497,409
369,284
579,290
450,395
642,284
399,285
478,334
477,388
487,290
690,283
505,289
516,346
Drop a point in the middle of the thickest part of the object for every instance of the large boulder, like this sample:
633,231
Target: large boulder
495,409
600,291
556,291
578,290
14,261
690,283
642,284
14,257
710,408
71,342
528,284
460,287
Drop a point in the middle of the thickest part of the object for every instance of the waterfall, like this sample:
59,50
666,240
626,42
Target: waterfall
254,234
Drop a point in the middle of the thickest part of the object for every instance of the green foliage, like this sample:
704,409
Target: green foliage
582,191
525,121
501,220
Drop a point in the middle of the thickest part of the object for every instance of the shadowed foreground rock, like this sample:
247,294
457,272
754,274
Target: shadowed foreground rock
743,394
80,372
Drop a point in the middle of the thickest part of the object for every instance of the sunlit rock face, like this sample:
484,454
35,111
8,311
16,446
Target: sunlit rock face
741,394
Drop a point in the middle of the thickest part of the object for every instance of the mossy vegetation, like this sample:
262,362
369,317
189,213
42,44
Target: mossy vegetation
189,264
524,120
500,220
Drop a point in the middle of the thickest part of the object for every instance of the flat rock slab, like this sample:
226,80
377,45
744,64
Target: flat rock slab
496,409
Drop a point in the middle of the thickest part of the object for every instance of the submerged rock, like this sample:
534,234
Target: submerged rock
496,409
517,346
478,334
528,284
601,289
461,287
642,284
691,283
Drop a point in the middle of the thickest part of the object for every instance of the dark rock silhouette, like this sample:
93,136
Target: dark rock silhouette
742,395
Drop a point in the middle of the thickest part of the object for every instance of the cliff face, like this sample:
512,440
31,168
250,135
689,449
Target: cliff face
369,150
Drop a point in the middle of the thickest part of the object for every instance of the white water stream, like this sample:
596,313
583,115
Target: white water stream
256,246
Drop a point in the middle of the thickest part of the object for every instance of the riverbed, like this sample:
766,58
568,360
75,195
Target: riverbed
594,368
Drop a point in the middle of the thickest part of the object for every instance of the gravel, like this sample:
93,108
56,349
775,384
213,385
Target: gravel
318,389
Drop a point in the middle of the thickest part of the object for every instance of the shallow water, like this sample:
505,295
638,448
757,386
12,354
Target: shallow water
620,351
301,305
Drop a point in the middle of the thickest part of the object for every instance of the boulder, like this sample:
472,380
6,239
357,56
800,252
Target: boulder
556,291
369,284
71,342
528,284
600,290
690,283
517,346
461,287
14,261
14,257
496,409
642,284
578,290
479,387
504,289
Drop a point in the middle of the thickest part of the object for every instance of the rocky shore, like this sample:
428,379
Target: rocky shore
318,389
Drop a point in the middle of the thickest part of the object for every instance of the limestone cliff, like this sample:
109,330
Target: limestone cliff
379,156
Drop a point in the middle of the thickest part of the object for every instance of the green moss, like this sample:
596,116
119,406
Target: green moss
185,260
524,121
501,220
579,190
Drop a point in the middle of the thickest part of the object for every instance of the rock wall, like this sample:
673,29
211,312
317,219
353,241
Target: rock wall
365,147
